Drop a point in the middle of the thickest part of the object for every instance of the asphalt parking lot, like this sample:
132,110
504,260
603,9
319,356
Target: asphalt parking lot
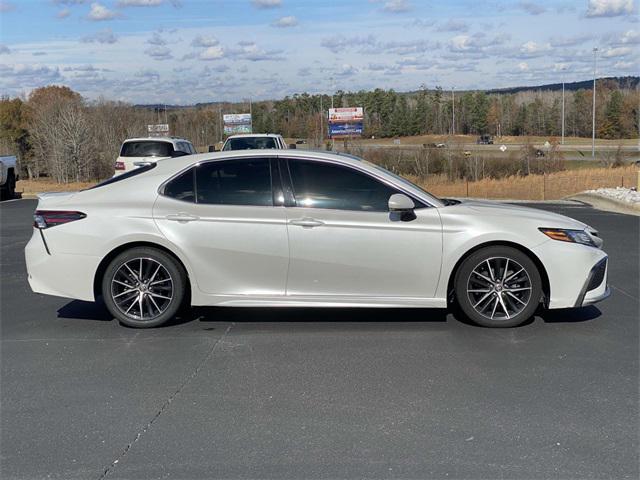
301,393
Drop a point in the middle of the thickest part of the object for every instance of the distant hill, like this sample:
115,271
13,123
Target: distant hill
622,82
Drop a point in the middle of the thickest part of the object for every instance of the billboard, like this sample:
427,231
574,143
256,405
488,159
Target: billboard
346,122
346,129
349,114
237,123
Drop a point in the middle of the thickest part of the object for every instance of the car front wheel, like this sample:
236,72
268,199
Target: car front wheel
143,287
498,287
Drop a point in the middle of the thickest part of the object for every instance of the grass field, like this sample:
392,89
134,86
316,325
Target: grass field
553,186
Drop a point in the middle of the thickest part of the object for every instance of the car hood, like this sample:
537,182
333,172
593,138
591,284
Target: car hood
505,210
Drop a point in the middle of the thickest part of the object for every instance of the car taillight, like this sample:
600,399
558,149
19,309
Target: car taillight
119,165
50,218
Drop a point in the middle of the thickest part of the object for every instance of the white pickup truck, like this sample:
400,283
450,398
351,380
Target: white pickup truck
8,177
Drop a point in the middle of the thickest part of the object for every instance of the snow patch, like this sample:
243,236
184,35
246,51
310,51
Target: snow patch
620,194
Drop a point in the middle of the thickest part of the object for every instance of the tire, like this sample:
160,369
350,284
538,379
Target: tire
11,186
144,302
507,295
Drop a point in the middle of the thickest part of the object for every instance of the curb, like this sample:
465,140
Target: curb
605,203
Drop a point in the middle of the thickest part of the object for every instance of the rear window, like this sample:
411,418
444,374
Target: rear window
124,176
146,148
250,143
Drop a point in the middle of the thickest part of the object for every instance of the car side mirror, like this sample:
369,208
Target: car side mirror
399,202
401,207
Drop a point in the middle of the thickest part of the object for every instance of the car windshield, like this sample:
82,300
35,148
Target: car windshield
146,148
250,143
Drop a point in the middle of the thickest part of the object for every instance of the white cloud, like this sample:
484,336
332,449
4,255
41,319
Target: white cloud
609,8
630,66
139,3
156,39
100,13
212,53
285,22
533,49
397,6
523,66
159,53
266,3
631,37
103,36
4,49
532,8
64,13
204,41
453,26
617,52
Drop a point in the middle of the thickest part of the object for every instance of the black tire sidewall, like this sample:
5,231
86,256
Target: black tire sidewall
173,267
472,261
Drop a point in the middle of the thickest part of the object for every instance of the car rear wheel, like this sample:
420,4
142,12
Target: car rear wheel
143,287
498,287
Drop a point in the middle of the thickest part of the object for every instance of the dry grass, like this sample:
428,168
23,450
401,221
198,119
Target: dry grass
534,187
32,187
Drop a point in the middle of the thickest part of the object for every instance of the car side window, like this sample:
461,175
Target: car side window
323,185
234,182
182,187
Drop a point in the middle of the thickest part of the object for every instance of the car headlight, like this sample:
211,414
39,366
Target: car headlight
572,236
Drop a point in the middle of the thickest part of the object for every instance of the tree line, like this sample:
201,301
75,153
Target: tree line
56,132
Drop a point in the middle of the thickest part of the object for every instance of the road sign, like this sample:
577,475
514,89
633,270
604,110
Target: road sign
503,148
158,128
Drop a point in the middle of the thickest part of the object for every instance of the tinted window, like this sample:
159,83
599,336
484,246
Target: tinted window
234,182
181,187
250,143
322,185
146,148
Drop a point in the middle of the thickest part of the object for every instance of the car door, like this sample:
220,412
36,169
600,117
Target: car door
344,241
222,215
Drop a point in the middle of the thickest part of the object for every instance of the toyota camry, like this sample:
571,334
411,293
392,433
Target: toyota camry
269,228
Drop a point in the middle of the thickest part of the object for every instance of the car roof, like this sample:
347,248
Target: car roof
169,166
244,135
159,139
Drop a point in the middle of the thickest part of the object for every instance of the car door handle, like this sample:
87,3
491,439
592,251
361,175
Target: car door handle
182,217
306,222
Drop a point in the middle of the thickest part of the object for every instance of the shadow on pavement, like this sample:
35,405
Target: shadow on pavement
570,315
96,311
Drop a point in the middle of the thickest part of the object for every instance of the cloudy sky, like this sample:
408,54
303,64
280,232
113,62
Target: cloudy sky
188,51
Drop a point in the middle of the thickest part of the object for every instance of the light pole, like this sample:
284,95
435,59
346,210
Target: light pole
563,107
593,117
453,112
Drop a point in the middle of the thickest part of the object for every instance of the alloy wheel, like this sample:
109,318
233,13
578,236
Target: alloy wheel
142,288
499,288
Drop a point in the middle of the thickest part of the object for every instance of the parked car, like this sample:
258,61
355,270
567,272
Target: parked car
8,177
304,229
485,140
136,152
254,141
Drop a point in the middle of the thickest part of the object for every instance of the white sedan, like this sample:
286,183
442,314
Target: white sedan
272,228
